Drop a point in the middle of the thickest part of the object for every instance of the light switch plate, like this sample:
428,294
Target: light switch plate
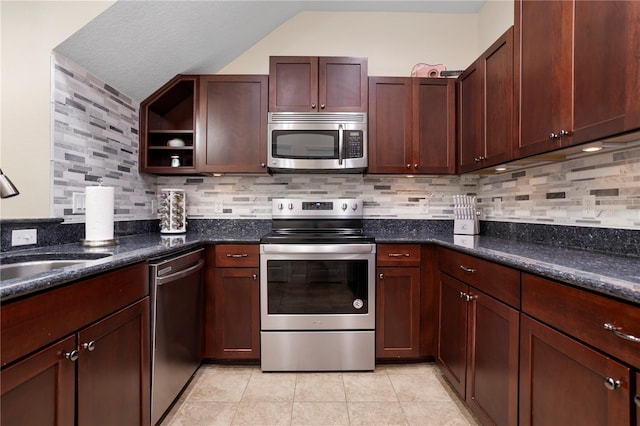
24,237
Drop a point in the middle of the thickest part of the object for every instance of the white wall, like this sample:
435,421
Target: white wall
393,42
495,17
30,31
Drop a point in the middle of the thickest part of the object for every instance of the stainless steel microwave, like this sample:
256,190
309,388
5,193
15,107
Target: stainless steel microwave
329,142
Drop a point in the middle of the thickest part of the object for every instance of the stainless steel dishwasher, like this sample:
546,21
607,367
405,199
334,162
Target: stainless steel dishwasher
176,326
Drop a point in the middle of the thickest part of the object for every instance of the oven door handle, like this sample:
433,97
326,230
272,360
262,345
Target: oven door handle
318,248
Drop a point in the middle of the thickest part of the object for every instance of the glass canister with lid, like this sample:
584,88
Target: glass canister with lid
173,211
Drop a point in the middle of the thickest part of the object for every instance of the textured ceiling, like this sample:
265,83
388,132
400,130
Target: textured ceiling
136,46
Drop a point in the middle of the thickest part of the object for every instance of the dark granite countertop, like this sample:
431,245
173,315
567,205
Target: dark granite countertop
617,276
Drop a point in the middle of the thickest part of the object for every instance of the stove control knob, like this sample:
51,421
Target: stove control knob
354,207
344,206
290,206
280,206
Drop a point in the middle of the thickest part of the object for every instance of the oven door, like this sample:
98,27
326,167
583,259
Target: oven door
317,286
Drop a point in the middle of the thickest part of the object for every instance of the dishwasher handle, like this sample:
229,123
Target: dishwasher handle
180,274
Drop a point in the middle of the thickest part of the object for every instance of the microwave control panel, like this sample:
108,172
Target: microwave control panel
354,144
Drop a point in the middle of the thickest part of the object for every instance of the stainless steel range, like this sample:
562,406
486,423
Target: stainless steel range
317,288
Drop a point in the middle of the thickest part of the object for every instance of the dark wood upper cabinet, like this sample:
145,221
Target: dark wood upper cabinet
169,113
317,84
411,125
232,135
486,108
577,72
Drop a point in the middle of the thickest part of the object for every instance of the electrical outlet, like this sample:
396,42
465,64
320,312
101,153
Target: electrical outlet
589,206
78,203
24,237
497,205
218,207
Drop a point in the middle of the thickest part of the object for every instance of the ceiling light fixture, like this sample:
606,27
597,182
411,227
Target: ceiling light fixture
592,149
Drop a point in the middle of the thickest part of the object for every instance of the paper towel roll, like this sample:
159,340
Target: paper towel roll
99,213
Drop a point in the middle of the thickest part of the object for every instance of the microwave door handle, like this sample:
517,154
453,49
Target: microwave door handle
340,144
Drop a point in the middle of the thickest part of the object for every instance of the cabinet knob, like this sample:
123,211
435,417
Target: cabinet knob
553,136
563,133
313,106
263,165
91,346
322,106
72,356
637,400
382,276
254,276
408,166
611,383
415,166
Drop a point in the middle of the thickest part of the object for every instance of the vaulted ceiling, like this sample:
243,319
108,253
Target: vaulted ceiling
136,46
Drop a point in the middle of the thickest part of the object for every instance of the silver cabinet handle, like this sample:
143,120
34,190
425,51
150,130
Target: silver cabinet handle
91,346
72,356
399,255
466,296
237,255
470,270
620,334
611,383
637,400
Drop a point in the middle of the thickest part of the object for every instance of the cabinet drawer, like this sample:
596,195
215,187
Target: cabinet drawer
31,323
499,281
398,255
237,256
583,314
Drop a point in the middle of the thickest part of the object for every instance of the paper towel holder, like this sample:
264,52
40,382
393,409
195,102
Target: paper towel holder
100,242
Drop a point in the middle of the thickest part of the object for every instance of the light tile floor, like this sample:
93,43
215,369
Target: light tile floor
413,394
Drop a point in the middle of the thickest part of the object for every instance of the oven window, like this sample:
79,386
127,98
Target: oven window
317,287
309,144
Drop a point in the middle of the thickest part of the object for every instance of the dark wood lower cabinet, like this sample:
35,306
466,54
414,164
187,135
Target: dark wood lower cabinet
478,350
237,314
40,390
636,399
562,382
113,369
101,373
398,312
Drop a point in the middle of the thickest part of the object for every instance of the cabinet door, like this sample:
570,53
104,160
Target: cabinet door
114,369
342,84
562,381
601,37
398,312
237,313
470,112
40,390
452,332
544,32
234,124
499,130
492,373
390,121
434,125
293,83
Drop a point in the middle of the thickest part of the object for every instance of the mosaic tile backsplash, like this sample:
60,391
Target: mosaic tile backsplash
96,135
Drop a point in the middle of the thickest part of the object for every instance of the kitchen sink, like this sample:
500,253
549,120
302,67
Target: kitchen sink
22,267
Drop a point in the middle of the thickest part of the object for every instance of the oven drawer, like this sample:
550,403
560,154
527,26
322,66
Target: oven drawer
398,255
237,255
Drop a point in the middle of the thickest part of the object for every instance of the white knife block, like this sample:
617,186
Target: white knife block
466,226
